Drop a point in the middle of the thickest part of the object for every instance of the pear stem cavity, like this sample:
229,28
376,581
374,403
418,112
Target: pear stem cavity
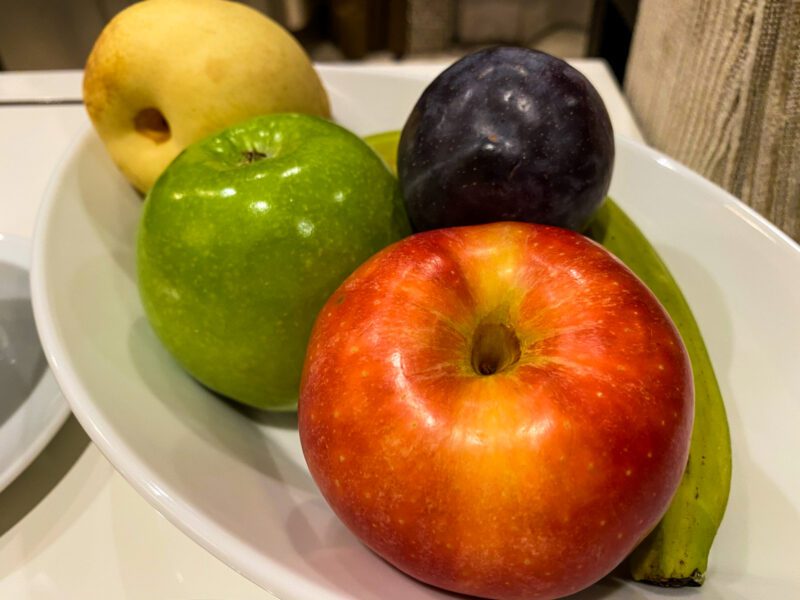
152,124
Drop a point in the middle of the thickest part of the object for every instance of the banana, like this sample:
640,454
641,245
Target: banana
675,554
385,145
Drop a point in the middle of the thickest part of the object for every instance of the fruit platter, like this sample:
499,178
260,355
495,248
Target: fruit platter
413,337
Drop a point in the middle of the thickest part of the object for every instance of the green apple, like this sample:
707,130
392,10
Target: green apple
243,238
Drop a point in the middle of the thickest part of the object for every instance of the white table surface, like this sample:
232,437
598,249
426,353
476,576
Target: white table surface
70,526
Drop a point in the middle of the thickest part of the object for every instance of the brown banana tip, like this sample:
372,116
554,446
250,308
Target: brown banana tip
696,579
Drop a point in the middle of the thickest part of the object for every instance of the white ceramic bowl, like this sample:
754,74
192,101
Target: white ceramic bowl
236,481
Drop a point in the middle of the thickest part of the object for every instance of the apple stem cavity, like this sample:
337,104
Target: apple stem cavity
151,123
495,348
251,156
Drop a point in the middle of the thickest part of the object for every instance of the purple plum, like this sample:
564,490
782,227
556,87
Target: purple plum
506,134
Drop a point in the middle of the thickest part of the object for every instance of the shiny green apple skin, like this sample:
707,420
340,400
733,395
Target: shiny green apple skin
244,237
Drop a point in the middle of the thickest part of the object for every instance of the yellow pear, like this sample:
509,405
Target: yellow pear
166,73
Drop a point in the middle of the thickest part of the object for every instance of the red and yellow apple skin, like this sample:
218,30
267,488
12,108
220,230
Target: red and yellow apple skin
533,481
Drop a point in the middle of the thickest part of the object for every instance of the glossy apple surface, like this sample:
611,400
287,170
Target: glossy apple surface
506,134
245,236
166,73
501,410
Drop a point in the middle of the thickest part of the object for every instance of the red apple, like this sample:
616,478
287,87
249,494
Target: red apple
500,410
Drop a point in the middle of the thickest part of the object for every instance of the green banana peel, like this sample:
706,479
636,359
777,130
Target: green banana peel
385,146
675,553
